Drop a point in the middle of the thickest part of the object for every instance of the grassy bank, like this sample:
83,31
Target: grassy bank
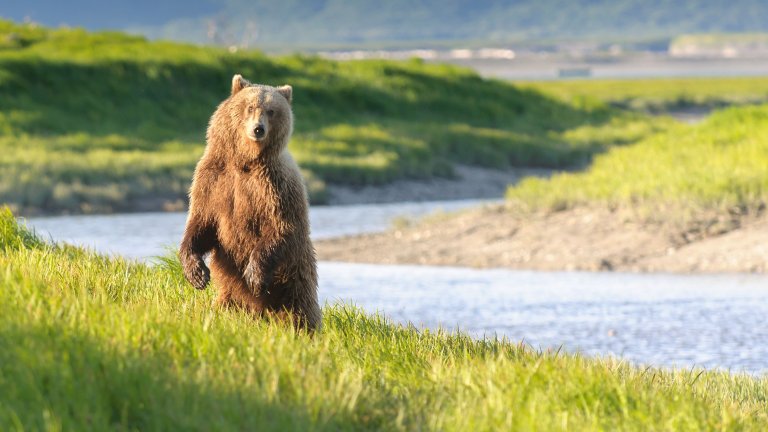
717,165
658,95
106,121
88,342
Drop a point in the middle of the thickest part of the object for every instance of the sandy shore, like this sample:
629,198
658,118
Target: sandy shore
577,239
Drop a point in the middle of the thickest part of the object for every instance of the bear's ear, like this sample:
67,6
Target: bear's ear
287,92
238,83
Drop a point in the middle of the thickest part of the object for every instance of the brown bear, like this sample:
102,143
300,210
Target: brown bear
248,208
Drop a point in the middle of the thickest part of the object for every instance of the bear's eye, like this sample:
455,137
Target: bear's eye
270,113
250,109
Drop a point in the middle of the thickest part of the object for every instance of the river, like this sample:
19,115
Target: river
711,321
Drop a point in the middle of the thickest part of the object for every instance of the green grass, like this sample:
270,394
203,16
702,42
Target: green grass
661,94
101,121
719,165
93,343
718,41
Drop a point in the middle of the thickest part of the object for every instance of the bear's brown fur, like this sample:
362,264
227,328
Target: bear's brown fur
248,208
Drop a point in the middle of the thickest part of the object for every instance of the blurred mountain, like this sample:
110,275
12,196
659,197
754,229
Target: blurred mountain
255,23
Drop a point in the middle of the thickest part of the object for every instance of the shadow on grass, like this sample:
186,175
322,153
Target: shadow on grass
173,100
50,379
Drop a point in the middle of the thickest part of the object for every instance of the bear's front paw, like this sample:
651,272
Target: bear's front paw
199,276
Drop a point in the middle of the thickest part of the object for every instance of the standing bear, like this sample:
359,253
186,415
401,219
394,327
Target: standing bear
248,208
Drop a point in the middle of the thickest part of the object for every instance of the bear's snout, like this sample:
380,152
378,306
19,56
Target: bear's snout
259,131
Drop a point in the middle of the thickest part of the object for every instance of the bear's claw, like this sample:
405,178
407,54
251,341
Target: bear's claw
199,276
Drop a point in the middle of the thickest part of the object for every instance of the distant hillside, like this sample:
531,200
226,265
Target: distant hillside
267,22
98,122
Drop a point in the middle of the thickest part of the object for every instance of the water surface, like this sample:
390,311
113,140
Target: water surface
712,321
147,235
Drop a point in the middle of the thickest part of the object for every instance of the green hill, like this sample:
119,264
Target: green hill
106,121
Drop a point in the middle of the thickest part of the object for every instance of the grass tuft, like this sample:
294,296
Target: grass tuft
14,236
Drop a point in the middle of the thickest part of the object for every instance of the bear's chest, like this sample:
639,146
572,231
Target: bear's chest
257,207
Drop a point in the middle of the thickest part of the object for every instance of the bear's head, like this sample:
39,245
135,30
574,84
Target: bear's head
256,119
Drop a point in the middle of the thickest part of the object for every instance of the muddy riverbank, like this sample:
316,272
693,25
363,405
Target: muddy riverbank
575,239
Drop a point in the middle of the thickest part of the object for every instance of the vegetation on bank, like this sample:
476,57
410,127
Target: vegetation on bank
90,342
719,165
719,44
660,95
101,121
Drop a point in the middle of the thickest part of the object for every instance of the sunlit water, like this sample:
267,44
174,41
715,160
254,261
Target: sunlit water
714,321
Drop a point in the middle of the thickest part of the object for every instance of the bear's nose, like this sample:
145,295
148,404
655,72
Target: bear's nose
259,131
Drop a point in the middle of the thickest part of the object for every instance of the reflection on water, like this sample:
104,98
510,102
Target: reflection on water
715,321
